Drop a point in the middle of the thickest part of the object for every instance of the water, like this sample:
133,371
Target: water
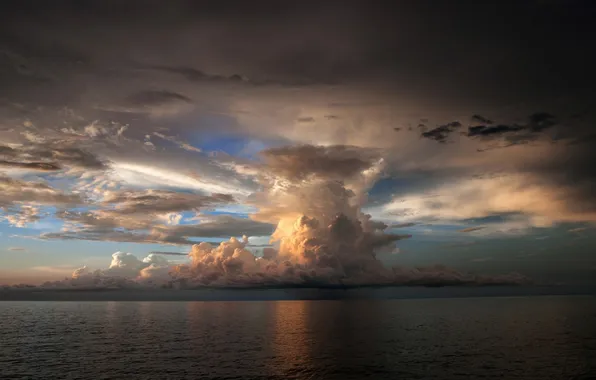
457,338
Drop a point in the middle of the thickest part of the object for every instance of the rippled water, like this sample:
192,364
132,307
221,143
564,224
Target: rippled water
466,338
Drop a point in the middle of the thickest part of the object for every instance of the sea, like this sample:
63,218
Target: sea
499,337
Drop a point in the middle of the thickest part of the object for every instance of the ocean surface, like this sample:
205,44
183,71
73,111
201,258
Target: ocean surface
537,337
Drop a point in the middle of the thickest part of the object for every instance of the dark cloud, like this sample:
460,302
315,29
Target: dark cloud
309,43
481,119
402,225
48,157
115,236
74,156
222,226
496,130
100,228
514,134
338,161
442,132
13,191
145,217
510,133
154,97
41,166
152,202
189,73
195,75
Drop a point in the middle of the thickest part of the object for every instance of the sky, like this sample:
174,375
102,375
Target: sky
333,141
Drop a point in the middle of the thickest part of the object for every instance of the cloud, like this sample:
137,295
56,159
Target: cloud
196,75
160,174
89,123
15,192
313,193
189,73
471,229
578,229
336,244
24,216
41,166
221,226
515,133
48,157
481,119
76,157
508,134
521,195
151,202
96,234
126,265
442,132
497,130
402,225
106,226
150,217
153,97
181,144
124,271
302,162
231,265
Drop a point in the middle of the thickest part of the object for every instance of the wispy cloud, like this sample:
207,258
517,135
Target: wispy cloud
472,229
17,249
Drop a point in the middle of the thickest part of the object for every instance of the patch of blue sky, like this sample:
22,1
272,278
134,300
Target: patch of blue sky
382,192
386,186
187,217
234,214
235,145
237,210
490,219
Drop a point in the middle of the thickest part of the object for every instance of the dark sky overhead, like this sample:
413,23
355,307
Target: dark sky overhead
342,138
